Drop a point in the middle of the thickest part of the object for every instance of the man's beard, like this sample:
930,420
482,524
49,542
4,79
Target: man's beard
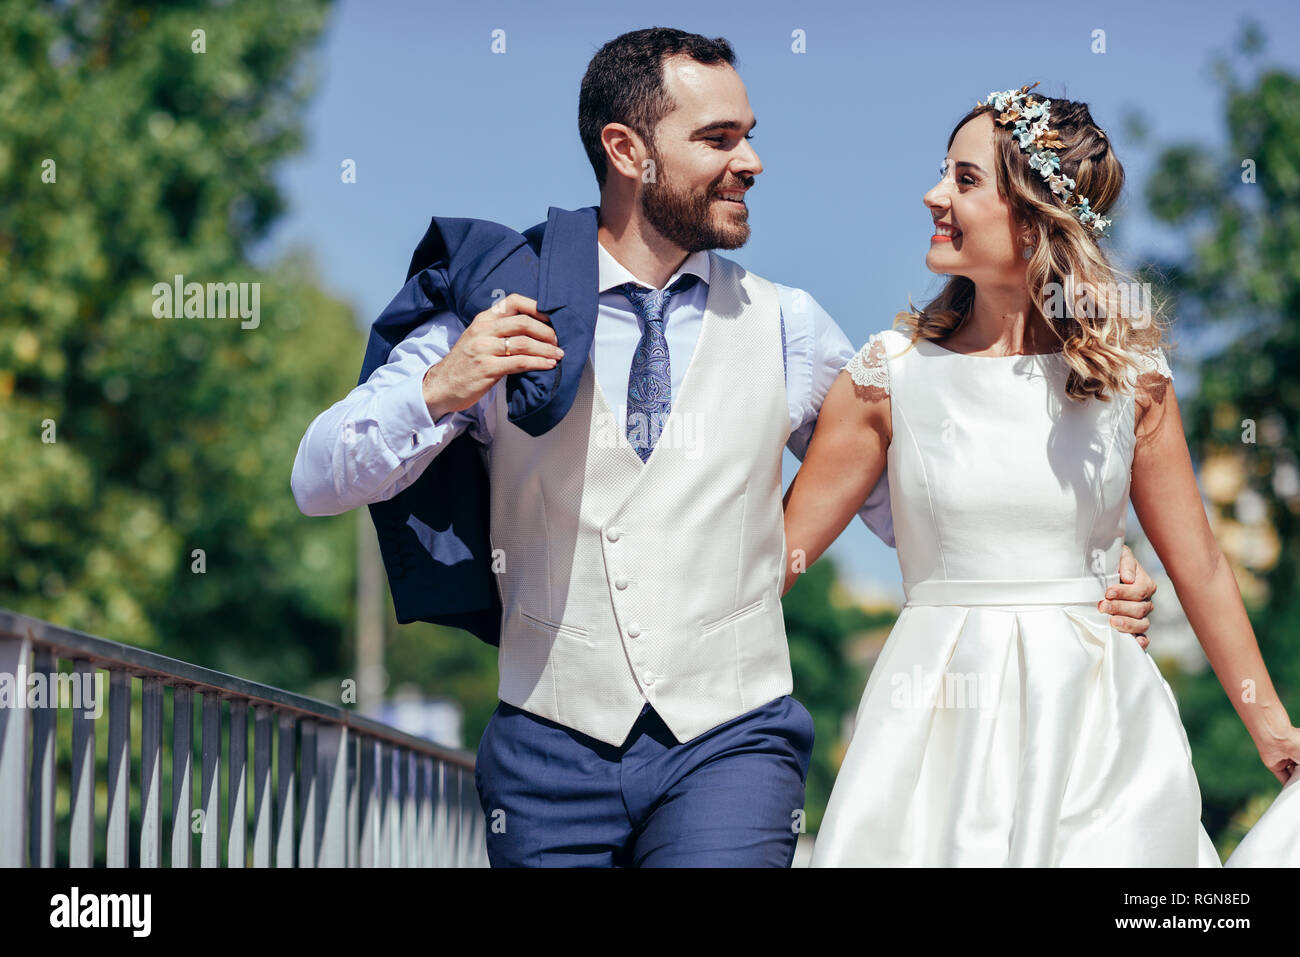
686,219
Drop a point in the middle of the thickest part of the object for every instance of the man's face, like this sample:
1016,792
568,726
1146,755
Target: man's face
703,163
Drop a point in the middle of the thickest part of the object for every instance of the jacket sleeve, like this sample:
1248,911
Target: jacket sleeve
377,441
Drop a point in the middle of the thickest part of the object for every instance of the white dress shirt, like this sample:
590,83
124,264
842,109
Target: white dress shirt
379,439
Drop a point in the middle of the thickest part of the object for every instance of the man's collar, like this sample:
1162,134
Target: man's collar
613,273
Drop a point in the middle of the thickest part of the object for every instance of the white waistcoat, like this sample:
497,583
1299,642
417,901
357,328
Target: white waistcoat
624,583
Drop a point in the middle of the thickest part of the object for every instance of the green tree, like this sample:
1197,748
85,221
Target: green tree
137,142
1239,207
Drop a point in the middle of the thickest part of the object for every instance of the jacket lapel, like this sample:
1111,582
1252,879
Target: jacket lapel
567,291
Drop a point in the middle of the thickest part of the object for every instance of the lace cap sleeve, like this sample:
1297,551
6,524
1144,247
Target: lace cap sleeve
870,369
1152,386
1153,380
1154,362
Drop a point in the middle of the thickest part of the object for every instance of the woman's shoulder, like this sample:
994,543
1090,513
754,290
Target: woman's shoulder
1149,376
1153,361
870,366
887,344
1150,379
893,341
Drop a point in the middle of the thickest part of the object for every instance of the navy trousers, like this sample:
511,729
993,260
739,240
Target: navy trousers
731,797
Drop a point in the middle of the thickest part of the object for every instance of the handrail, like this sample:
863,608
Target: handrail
365,792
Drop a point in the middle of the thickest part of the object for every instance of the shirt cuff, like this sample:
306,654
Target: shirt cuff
405,423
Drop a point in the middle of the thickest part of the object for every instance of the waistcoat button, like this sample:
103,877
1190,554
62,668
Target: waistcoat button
633,630
620,583
613,534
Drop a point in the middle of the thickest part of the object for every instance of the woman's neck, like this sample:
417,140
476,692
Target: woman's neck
1003,323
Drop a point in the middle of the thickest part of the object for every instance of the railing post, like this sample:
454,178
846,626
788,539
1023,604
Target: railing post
368,804
210,755
307,791
478,829
459,832
387,804
332,745
151,696
410,810
81,843
237,786
441,827
286,752
425,829
263,814
354,799
14,656
403,795
44,725
182,775
117,838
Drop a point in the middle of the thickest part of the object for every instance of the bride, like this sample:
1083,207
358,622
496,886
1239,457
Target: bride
1005,721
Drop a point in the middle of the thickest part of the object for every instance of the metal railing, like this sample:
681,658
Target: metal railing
348,791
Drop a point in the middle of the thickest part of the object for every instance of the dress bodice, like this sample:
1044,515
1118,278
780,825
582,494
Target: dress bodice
994,472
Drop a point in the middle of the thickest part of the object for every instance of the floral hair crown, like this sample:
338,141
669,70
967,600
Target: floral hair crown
1028,118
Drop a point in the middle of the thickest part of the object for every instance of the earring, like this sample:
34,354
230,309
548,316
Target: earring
1029,252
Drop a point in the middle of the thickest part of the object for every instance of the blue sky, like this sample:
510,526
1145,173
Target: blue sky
851,132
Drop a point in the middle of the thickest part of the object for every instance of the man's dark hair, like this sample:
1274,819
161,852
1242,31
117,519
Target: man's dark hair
624,83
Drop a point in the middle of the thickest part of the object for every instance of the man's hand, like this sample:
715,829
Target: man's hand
511,336
1128,601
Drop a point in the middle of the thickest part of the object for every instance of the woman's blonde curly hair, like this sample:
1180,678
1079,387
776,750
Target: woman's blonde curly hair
1100,332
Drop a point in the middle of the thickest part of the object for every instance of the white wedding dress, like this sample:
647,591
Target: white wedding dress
1005,722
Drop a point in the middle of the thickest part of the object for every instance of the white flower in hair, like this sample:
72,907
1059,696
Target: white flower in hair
1028,118
1060,185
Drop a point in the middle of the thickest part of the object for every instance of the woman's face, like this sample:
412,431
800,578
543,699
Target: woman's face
974,235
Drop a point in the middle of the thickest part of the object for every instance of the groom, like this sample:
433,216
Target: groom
632,456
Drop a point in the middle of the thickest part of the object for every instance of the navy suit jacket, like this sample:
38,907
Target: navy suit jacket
433,535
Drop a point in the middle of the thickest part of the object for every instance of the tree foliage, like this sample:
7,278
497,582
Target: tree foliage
134,149
1239,209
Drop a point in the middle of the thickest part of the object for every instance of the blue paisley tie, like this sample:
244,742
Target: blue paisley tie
650,385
